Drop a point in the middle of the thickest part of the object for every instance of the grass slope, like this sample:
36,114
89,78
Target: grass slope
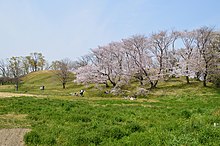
32,82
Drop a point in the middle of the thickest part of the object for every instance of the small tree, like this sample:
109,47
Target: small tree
159,45
62,70
36,61
15,69
4,71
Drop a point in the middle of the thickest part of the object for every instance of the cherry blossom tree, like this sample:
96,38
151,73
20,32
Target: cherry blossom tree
109,61
159,45
186,53
173,57
83,61
203,41
107,64
150,58
104,63
90,74
137,52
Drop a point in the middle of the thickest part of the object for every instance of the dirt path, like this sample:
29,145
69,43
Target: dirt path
12,137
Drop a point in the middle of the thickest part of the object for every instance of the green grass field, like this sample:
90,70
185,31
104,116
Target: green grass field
173,114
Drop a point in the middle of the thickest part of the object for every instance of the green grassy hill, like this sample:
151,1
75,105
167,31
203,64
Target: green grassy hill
32,82
35,80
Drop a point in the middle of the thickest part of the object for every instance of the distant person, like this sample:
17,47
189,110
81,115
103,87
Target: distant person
42,88
106,92
81,92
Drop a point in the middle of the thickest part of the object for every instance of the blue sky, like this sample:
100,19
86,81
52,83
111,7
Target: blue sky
70,28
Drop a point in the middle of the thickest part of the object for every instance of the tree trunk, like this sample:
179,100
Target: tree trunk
151,82
35,65
187,74
64,85
205,75
140,79
153,85
141,82
187,79
204,81
112,82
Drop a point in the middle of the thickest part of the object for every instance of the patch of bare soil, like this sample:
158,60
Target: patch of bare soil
12,137
7,94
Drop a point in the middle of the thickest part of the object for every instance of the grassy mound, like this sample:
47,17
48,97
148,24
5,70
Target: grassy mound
32,82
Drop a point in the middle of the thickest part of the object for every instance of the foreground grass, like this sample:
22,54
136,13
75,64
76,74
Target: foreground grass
186,119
